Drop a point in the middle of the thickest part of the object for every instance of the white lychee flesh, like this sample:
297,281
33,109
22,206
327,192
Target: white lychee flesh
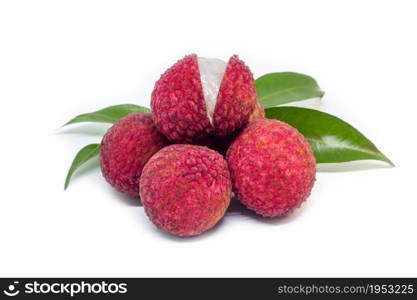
211,75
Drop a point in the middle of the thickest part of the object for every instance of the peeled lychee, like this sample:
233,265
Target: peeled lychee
272,167
185,189
125,149
198,97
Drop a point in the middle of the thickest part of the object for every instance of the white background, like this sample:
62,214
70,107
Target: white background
62,58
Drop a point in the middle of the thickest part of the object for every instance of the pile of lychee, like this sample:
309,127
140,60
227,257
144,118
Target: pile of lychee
207,136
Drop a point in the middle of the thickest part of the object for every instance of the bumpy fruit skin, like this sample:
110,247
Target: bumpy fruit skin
257,113
125,149
272,167
222,143
179,107
185,189
236,99
178,102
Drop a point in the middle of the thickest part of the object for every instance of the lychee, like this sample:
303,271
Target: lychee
125,149
198,97
257,113
272,167
185,189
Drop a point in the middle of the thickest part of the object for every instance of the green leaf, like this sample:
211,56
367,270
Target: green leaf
109,114
332,139
84,155
279,88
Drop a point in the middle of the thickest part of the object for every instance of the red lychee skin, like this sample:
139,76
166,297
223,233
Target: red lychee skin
222,143
185,189
257,113
125,149
272,167
236,99
178,102
179,107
